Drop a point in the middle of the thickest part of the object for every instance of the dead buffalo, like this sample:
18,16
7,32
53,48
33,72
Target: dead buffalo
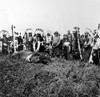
32,57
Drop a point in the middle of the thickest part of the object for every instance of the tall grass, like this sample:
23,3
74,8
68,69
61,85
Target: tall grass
60,78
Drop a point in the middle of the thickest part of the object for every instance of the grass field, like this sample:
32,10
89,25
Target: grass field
59,78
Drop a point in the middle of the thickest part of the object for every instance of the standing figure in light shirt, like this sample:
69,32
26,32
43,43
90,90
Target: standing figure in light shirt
48,43
66,46
56,45
87,46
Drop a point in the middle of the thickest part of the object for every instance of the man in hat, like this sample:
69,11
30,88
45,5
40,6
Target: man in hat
82,40
39,46
96,52
48,39
75,51
66,46
76,40
56,39
56,44
30,41
48,43
69,35
87,46
5,45
20,43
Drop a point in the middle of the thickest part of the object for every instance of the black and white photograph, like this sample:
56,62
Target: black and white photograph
49,48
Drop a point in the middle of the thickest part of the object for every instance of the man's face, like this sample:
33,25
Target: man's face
69,32
74,33
48,34
56,34
64,36
4,35
86,34
30,34
82,36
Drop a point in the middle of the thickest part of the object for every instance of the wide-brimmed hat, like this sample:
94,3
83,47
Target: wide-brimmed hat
56,32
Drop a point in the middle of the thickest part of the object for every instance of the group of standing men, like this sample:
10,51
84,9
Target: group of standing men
71,46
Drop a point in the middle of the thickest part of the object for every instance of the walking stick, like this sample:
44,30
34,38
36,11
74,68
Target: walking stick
79,48
12,28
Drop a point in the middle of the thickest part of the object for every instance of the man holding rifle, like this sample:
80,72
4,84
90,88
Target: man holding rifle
76,50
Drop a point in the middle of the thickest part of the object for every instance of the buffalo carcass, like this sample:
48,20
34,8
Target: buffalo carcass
32,57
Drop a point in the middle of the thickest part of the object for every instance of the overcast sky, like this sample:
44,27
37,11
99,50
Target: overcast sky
54,15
